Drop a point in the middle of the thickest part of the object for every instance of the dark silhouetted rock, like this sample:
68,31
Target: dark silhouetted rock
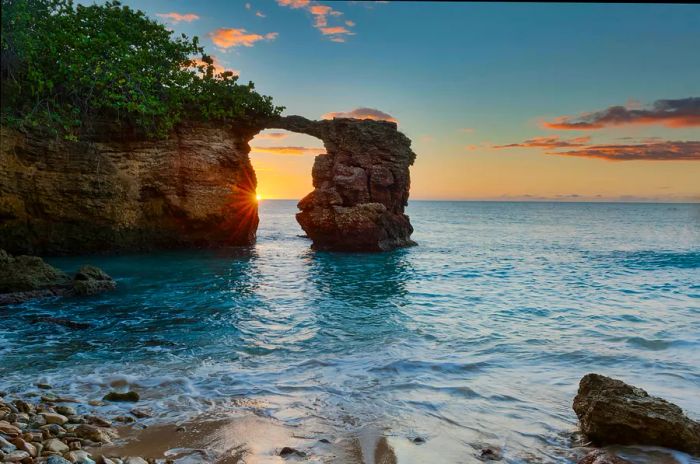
602,457
613,412
288,451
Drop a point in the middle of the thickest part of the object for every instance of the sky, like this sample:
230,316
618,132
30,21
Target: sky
571,102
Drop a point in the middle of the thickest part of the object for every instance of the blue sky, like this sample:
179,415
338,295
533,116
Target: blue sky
463,77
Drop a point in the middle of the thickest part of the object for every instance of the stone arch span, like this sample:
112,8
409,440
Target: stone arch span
116,191
361,184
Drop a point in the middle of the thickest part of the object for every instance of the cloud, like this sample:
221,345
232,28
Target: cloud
177,17
247,6
321,14
548,142
230,37
294,3
219,67
289,151
260,14
271,135
684,112
362,113
657,151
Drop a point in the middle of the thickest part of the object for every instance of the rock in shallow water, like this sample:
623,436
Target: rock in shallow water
116,396
613,412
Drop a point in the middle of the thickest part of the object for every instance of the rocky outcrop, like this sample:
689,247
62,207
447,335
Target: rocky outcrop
120,192
26,277
361,184
613,412
196,188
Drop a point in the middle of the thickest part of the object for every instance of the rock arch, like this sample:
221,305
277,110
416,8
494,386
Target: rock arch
361,184
118,192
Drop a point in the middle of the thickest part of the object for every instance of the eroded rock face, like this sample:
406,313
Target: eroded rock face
124,193
613,412
361,184
197,189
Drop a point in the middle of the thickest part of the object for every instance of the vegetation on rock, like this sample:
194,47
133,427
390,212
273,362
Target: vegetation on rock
65,66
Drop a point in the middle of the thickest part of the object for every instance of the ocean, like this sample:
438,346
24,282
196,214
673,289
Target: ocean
476,337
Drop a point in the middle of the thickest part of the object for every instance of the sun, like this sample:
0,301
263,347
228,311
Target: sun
258,197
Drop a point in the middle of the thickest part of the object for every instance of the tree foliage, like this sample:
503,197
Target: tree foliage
65,66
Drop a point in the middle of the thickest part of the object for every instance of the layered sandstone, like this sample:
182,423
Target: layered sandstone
195,188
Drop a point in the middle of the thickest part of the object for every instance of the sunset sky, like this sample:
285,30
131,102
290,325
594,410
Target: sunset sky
502,101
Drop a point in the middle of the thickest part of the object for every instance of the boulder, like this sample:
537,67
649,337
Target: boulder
28,273
613,412
91,280
26,277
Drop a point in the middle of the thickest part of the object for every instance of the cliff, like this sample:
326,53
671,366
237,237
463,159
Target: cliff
197,189
58,197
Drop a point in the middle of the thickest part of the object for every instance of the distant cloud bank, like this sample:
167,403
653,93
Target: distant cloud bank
683,112
657,151
548,142
362,113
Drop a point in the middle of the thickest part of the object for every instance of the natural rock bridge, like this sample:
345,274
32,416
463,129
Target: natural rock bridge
196,188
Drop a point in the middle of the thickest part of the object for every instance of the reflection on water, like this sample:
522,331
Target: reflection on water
475,339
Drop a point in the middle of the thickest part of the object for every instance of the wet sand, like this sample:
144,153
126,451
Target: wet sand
249,439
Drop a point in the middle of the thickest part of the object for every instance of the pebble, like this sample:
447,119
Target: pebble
53,459
55,445
6,446
80,457
16,456
8,429
97,420
140,413
134,460
54,418
116,396
65,410
92,432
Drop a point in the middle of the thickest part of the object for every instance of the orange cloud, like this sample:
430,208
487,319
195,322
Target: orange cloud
260,14
321,13
362,113
293,3
684,112
548,142
230,37
177,17
659,151
289,151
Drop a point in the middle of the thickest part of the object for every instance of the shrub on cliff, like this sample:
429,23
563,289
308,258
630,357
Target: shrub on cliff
65,66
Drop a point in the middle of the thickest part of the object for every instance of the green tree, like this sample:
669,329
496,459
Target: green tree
65,66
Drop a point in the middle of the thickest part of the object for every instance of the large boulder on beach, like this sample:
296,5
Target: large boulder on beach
613,412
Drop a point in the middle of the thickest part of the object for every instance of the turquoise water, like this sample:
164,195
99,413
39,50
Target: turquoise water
478,335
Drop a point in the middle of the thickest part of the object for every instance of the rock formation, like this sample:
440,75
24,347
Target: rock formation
613,412
197,189
361,184
26,277
121,193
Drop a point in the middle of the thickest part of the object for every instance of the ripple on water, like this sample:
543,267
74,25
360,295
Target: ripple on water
478,335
